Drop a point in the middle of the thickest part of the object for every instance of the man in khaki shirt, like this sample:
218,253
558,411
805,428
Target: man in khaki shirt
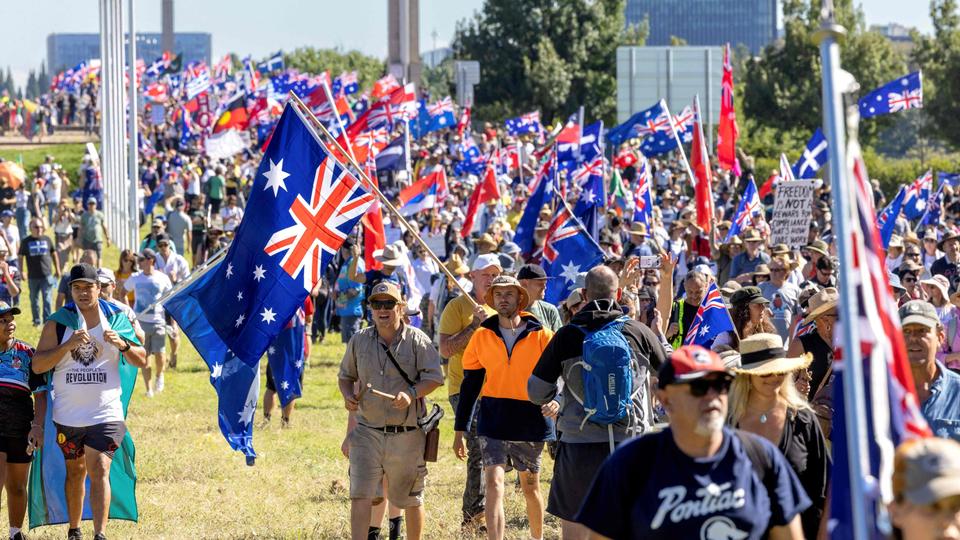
387,441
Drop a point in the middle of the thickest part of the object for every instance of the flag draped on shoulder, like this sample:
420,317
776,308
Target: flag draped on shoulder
306,204
711,320
895,96
47,503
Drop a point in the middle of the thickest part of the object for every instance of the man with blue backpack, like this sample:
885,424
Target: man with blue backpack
605,360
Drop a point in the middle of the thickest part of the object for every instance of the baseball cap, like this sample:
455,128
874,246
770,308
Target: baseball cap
83,272
688,363
7,308
6,213
147,254
106,276
748,295
531,271
388,289
485,261
162,237
927,470
510,248
91,200
919,312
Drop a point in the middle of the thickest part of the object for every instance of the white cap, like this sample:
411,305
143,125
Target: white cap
485,261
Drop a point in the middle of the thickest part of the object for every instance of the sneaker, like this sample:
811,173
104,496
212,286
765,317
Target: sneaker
284,423
100,536
149,393
74,534
159,383
19,536
265,422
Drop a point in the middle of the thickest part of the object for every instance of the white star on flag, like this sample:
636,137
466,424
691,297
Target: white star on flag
217,371
284,385
589,196
239,320
570,272
275,177
271,350
268,315
229,269
239,295
259,273
704,330
299,364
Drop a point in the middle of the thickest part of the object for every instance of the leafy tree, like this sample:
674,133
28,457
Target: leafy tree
636,34
43,78
677,41
939,57
313,60
31,89
9,84
551,55
783,85
438,82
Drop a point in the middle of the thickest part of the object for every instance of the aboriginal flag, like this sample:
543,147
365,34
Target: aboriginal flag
234,116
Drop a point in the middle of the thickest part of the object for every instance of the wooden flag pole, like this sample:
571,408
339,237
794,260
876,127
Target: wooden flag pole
375,189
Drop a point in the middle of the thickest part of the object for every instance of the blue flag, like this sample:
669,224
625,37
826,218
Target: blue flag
814,156
663,141
643,124
393,157
642,199
543,194
748,210
934,204
897,95
521,125
711,320
472,162
949,178
589,144
285,358
567,251
590,205
888,217
915,201
306,204
274,63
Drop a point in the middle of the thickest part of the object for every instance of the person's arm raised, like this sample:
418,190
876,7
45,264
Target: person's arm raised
665,292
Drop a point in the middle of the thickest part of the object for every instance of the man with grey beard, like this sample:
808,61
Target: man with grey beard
697,478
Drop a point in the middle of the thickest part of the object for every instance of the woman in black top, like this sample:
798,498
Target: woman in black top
764,400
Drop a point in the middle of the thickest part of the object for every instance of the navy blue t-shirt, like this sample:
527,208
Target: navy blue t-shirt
649,488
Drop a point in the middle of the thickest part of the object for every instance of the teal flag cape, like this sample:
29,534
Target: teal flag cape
47,503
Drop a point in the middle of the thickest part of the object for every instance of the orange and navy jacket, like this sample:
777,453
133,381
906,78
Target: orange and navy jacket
506,412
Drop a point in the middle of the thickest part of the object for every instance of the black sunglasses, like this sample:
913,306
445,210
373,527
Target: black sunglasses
700,387
383,304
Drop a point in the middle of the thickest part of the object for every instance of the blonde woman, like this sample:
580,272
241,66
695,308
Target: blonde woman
765,401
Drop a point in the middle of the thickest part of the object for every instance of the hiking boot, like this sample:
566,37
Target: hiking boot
19,536
284,423
99,536
74,534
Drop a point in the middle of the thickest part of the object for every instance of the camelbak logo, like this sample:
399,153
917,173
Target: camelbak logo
611,383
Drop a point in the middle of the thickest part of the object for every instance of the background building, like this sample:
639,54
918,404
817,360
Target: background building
67,50
708,22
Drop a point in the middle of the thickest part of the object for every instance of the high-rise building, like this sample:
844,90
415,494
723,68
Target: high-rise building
67,50
708,22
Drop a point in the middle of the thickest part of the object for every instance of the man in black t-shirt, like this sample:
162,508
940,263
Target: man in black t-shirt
42,269
697,478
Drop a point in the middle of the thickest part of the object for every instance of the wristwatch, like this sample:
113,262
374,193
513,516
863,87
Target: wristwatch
126,349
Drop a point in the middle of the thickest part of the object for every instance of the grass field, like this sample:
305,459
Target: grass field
191,485
67,155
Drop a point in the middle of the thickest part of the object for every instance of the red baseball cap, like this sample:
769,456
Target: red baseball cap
690,362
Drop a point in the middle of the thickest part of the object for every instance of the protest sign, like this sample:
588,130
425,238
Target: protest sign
792,210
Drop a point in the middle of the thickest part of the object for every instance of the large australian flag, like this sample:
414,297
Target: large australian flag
305,204
568,250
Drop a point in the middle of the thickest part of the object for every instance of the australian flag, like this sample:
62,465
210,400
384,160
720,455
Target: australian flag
647,122
285,359
898,95
346,83
932,215
307,204
949,178
543,193
567,251
521,125
814,156
915,202
887,219
472,162
433,117
661,142
642,199
589,146
590,204
748,212
710,321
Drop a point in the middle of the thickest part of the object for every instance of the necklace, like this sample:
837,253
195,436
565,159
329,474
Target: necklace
764,415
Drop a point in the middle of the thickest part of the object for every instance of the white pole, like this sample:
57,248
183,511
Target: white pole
853,394
112,111
130,207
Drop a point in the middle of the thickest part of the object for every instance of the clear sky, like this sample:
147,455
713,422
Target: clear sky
258,27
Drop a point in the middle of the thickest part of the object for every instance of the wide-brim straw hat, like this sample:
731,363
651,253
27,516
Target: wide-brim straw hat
821,303
506,281
763,354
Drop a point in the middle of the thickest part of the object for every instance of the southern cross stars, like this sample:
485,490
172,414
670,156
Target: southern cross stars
239,320
259,273
229,269
268,315
275,177
570,272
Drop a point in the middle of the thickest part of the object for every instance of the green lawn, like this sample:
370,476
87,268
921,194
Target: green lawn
68,155
191,485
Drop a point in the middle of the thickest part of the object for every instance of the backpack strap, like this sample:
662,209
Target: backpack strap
759,457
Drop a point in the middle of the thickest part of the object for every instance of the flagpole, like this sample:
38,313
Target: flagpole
853,393
336,114
683,153
301,108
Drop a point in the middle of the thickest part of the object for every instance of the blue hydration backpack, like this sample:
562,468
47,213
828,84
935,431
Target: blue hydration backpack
607,375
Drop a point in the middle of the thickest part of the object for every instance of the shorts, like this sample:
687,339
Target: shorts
15,447
573,473
271,385
523,456
104,438
398,456
154,337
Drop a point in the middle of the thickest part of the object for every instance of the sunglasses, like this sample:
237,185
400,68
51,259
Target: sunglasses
383,304
913,254
700,387
909,279
650,283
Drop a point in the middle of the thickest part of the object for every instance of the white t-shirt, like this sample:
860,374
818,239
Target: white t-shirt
86,382
176,268
146,289
231,217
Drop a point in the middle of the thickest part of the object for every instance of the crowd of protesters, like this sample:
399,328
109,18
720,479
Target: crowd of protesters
730,441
